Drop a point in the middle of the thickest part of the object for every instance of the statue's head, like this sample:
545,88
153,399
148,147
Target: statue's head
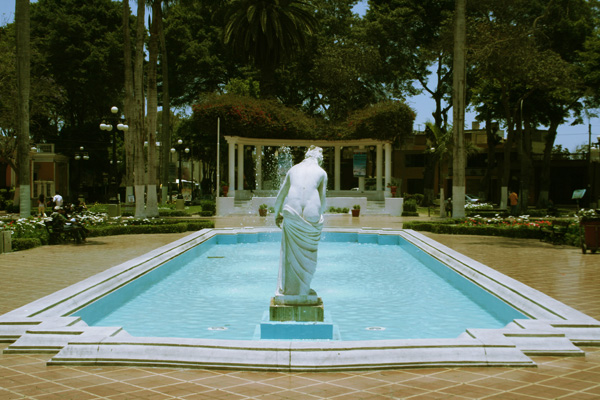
315,153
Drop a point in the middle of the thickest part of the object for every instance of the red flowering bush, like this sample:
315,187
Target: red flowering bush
249,117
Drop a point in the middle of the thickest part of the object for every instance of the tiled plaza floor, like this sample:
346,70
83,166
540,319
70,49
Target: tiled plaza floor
559,271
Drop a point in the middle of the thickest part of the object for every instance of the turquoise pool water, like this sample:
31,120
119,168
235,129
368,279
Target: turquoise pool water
372,287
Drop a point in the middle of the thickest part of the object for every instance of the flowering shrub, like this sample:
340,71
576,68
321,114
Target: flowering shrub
520,222
249,117
24,227
585,214
478,206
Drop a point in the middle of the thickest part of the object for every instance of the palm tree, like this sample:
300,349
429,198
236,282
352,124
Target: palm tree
152,204
23,84
268,32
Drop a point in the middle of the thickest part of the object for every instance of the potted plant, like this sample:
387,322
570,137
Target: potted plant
356,210
393,189
225,188
262,210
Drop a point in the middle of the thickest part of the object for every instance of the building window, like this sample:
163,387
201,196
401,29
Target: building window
414,160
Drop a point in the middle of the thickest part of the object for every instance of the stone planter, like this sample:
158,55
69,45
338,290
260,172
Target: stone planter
5,242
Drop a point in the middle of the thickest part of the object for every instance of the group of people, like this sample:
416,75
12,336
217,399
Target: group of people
57,201
64,217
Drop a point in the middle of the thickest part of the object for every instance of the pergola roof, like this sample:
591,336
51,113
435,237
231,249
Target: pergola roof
303,142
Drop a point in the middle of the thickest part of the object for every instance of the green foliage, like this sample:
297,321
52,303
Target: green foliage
243,87
417,197
410,205
209,206
387,120
268,33
356,207
338,210
172,213
25,243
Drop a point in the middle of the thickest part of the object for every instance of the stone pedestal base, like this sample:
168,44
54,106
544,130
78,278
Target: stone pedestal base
313,312
296,330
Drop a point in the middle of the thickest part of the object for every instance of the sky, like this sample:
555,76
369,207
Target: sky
568,136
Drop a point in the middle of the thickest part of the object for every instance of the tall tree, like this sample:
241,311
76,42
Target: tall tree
268,32
527,73
23,84
414,38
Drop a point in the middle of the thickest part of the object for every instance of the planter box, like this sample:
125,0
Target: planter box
591,235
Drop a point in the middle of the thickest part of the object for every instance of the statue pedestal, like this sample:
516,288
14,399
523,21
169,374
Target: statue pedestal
296,317
296,308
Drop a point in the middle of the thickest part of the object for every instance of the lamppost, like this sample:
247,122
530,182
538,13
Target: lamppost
118,122
187,151
81,155
595,180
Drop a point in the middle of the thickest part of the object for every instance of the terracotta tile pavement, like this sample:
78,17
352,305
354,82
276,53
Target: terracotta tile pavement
559,271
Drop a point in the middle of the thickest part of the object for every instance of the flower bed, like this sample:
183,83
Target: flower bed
31,232
521,227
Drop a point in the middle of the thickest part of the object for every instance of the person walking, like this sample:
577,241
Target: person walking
514,202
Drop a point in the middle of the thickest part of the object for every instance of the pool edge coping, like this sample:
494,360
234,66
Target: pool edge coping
556,329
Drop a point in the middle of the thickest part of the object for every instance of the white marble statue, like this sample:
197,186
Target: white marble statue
300,205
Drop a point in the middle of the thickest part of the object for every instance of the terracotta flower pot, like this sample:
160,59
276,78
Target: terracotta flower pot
355,213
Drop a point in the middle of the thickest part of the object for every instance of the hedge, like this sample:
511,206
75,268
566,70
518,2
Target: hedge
179,227
448,228
25,243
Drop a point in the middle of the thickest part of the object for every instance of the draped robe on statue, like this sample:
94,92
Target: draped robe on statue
298,260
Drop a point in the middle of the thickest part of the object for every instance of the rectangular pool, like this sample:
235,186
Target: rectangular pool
374,287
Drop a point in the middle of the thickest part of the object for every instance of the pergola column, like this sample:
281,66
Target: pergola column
259,149
337,167
379,168
240,172
231,167
388,167
361,179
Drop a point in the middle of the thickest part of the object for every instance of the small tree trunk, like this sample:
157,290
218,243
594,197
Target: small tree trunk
544,195
152,204
166,110
139,132
23,82
129,140
459,99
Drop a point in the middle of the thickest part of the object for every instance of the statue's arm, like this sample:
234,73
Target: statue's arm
323,193
283,192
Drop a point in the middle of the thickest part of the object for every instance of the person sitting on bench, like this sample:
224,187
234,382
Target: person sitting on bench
61,224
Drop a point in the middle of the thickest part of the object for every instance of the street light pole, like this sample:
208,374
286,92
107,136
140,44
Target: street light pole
115,121
81,155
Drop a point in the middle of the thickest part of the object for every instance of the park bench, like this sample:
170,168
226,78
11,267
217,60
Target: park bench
58,235
555,233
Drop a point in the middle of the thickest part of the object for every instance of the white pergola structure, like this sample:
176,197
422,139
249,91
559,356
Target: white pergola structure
381,172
